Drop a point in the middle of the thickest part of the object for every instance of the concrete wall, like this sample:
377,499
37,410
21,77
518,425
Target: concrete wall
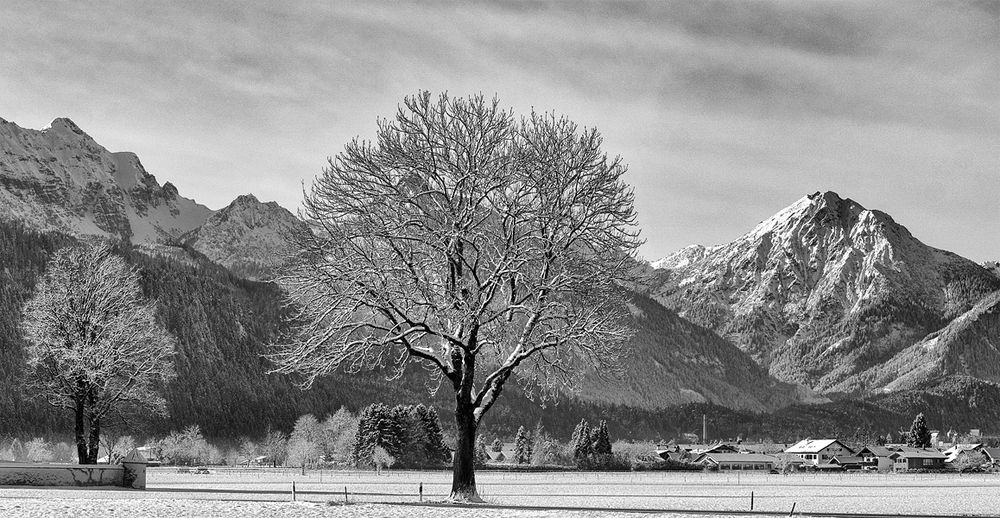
128,475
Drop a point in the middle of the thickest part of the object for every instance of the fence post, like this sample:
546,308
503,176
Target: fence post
345,494
293,490
421,491
793,509
751,500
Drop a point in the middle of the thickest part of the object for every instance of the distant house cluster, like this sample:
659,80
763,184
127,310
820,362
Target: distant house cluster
831,455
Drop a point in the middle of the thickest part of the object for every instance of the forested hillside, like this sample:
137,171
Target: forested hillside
223,324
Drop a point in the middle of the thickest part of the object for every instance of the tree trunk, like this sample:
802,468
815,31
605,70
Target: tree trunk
95,441
463,483
81,440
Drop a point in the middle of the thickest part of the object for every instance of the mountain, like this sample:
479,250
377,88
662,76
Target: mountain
58,186
59,178
822,291
675,362
248,237
993,266
968,346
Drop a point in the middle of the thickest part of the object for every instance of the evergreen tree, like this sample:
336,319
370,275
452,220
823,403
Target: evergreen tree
919,436
435,449
522,447
602,440
377,426
582,442
408,450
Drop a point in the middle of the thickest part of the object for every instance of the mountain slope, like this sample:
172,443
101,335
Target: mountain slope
59,178
968,346
248,237
675,362
223,324
822,291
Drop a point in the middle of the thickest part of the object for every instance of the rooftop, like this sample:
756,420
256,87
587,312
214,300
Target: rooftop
812,446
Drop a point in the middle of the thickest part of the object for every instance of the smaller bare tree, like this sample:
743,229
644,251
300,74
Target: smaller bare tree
94,343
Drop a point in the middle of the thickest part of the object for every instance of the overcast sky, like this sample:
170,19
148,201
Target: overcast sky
726,112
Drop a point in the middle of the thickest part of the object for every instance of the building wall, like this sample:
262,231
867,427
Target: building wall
825,455
746,465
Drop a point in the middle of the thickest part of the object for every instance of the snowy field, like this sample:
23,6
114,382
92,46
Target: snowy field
268,493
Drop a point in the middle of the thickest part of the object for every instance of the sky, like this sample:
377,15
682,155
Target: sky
726,112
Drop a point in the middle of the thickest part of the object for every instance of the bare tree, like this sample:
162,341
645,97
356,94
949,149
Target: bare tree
467,241
94,343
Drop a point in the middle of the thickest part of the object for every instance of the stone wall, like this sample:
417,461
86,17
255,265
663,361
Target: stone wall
127,475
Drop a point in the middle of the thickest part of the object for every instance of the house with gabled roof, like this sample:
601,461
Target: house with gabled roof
876,458
819,451
917,459
958,451
697,449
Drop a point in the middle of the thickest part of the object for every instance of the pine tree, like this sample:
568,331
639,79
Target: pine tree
435,449
602,440
522,447
919,436
409,448
582,442
377,426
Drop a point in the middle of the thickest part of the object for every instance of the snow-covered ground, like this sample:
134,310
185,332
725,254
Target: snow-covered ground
136,508
222,493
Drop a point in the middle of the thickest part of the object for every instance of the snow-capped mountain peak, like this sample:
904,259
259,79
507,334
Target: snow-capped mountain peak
249,237
60,178
822,289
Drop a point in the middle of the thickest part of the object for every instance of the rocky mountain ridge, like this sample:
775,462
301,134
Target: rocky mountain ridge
822,291
248,237
59,178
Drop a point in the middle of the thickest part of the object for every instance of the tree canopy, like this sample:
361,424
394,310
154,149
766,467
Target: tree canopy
94,344
468,241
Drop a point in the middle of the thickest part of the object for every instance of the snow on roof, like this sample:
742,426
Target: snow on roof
919,453
878,451
811,446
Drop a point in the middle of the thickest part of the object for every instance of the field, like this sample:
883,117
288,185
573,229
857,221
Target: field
252,493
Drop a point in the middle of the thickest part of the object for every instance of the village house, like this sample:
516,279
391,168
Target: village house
691,452
737,461
819,451
876,458
917,459
957,453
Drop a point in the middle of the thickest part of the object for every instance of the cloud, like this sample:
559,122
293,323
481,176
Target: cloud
726,111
